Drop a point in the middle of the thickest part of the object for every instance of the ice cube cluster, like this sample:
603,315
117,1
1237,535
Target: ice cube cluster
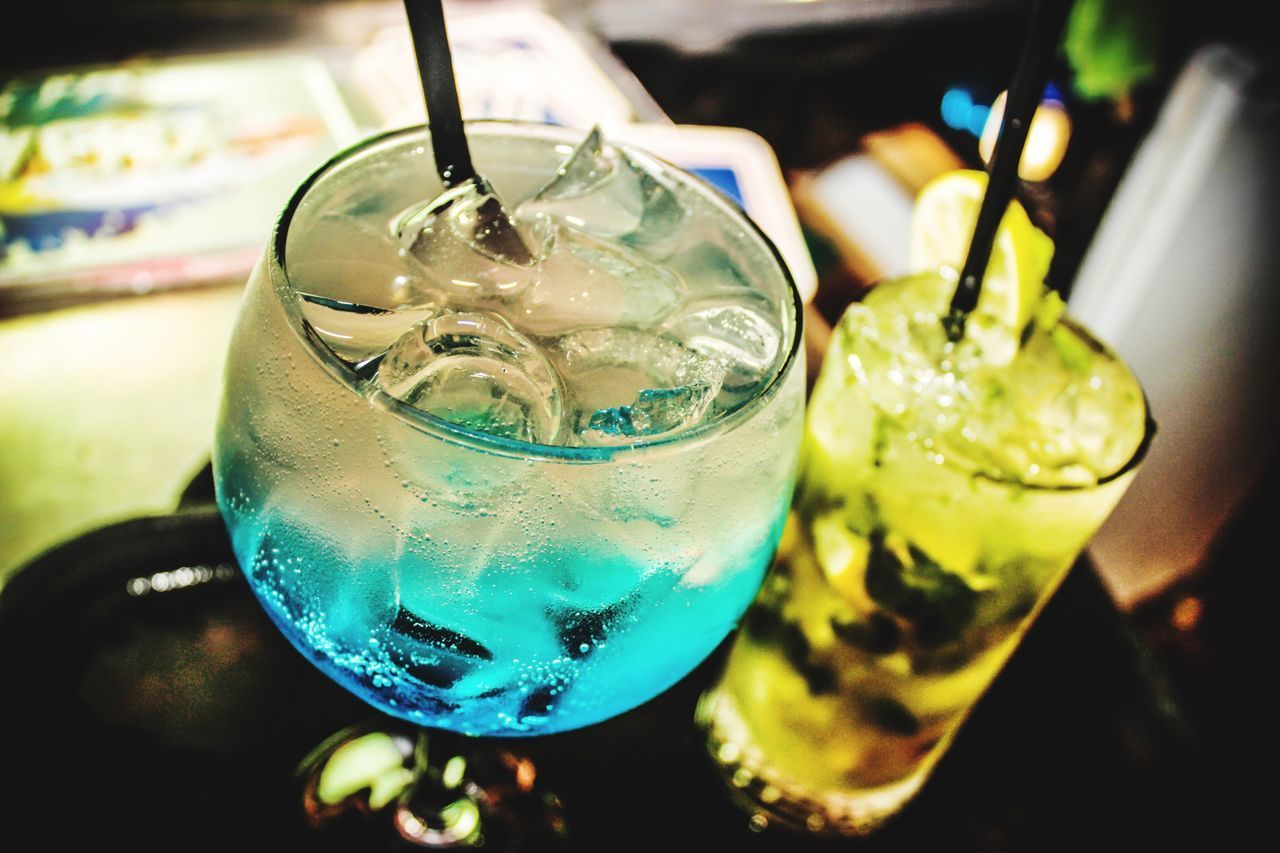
1063,413
610,307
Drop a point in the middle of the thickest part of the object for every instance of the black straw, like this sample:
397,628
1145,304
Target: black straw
435,66
1038,51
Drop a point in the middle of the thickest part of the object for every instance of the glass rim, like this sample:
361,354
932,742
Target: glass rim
469,437
1132,462
1148,421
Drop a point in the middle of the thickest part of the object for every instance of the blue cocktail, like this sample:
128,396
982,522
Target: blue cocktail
510,491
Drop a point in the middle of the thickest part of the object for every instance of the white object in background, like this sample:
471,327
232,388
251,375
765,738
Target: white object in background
862,208
1181,280
513,61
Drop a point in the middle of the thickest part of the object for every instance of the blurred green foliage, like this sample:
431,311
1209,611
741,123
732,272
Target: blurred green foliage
1113,45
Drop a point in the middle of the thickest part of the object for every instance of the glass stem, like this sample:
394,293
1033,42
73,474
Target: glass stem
438,810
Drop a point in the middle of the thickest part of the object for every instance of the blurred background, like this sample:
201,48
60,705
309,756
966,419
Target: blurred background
146,147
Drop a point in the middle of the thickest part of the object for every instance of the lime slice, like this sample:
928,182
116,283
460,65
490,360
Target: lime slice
843,558
941,227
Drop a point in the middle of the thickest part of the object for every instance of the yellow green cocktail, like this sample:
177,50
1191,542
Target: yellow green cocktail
946,487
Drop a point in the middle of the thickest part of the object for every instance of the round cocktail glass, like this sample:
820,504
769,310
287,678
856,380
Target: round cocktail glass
941,502
473,580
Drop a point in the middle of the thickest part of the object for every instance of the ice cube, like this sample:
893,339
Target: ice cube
358,333
654,411
464,242
628,383
584,282
740,334
710,264
582,171
610,193
475,370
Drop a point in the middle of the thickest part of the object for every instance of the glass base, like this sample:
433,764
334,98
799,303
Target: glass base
773,798
436,789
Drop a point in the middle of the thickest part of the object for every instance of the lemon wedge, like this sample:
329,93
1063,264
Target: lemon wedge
941,227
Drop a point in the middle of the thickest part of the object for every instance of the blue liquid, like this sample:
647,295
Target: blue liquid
559,639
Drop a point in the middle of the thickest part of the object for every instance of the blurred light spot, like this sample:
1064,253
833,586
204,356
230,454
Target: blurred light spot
1187,613
956,104
976,119
461,820
410,825
355,765
451,776
526,773
1047,138
179,578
